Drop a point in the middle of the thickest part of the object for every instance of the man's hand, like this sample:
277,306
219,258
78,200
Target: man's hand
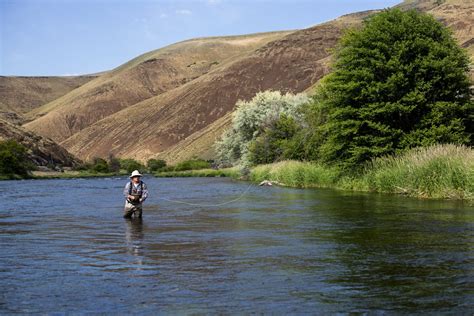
131,197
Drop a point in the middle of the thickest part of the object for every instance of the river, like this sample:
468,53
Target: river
65,248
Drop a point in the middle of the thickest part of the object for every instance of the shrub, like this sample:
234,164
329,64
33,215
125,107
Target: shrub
130,164
193,164
14,159
250,120
99,165
155,164
114,164
274,142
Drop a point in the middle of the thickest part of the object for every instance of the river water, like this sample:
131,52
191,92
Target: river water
66,248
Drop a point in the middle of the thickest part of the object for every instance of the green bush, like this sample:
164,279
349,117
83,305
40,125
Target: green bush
155,164
14,160
99,165
274,143
114,164
398,83
131,164
193,164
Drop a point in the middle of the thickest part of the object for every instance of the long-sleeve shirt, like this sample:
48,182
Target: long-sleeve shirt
137,189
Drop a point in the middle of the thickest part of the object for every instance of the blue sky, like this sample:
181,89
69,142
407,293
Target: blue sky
69,37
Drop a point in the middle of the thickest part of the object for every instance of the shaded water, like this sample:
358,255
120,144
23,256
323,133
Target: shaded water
66,248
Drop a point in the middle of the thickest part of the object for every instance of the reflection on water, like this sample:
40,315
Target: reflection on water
275,250
134,238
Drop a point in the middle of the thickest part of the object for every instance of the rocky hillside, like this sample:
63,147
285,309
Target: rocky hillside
19,95
41,151
172,103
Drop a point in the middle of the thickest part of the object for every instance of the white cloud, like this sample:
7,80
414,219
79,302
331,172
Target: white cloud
163,16
184,12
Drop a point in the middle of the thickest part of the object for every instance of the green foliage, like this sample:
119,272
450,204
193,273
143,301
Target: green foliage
155,164
130,164
440,171
193,164
14,160
274,143
99,165
399,82
114,164
251,119
297,174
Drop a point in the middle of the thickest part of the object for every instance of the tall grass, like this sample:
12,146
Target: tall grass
440,171
296,174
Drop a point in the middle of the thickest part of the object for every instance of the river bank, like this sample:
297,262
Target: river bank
72,174
436,172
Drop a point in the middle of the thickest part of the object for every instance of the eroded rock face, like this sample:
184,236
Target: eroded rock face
41,151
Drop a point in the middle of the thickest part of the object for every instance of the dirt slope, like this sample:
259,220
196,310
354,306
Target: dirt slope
19,95
144,77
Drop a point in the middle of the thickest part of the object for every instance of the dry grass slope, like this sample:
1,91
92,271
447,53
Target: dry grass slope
144,77
20,95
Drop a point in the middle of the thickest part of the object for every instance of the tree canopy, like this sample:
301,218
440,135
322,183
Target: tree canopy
398,82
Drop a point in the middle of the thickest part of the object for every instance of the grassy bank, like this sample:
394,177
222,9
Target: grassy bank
228,172
72,174
441,171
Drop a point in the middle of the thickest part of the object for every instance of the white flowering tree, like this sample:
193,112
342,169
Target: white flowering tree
250,119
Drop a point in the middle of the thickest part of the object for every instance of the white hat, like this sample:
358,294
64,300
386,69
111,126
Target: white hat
135,173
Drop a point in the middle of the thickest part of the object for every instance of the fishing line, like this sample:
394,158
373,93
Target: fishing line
208,205
224,203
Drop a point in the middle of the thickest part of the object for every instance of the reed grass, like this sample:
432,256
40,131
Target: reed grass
439,171
297,174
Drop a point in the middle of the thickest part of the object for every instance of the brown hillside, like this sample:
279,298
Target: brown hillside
41,151
144,77
184,118
290,64
19,95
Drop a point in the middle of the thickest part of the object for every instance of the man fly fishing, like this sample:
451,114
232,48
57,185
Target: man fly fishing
135,193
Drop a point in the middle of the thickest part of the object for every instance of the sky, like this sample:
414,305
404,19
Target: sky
72,37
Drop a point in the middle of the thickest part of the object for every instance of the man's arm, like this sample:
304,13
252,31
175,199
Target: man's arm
126,190
144,192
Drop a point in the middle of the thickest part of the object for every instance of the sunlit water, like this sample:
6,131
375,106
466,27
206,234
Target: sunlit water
66,248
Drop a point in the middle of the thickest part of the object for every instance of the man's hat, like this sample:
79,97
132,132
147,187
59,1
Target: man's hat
135,173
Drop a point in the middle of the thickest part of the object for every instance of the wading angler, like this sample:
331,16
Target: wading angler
135,193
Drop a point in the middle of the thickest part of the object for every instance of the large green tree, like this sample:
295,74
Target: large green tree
398,82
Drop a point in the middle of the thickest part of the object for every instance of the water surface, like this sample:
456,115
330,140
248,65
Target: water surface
66,248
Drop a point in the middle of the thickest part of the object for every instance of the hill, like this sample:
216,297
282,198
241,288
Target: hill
142,78
172,103
20,95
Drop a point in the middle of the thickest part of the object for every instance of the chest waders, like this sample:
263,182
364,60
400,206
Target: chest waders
135,192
